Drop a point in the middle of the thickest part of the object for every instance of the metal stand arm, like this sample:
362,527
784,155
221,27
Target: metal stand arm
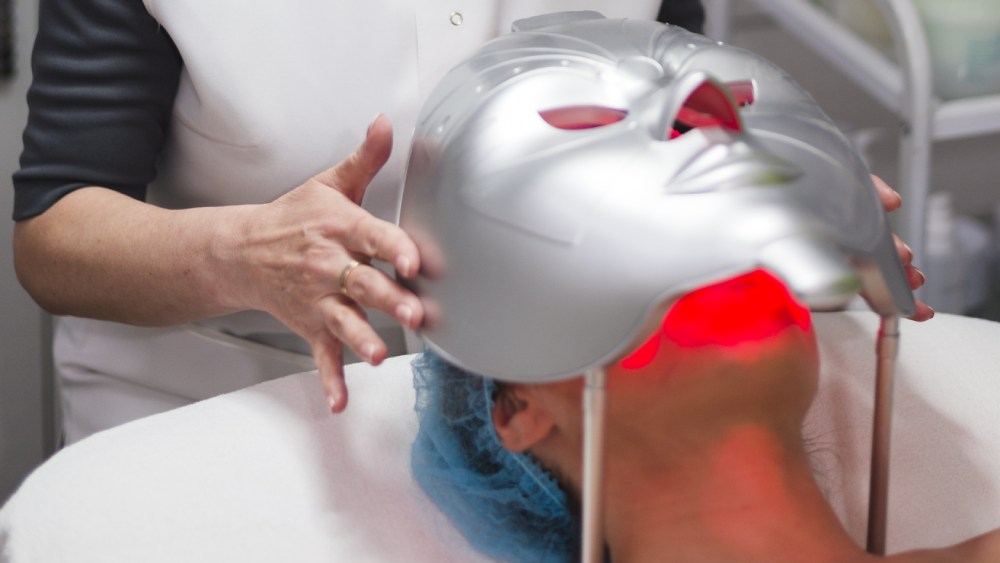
594,403
887,348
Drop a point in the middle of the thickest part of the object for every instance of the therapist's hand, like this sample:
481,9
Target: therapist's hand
296,260
101,254
891,200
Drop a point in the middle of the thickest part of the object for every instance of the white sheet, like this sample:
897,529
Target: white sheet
266,474
945,464
261,475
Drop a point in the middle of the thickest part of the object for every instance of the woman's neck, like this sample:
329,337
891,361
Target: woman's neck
744,494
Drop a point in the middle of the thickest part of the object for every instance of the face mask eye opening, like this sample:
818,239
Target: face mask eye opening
572,118
711,106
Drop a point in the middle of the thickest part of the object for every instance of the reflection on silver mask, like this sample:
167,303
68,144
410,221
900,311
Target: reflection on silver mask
572,178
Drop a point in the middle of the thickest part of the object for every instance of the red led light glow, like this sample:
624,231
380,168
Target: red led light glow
747,308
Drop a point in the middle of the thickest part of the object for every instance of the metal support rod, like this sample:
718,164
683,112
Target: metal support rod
718,19
918,108
594,403
887,348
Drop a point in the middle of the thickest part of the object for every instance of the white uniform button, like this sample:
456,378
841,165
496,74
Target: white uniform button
456,18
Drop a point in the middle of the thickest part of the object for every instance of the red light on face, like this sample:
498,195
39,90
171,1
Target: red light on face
644,354
746,308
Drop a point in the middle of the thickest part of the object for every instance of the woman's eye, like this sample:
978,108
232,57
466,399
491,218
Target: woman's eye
582,117
707,106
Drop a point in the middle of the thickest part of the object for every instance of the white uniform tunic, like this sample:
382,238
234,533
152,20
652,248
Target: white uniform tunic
271,93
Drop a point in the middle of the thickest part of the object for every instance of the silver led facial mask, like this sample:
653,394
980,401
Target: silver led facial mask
571,179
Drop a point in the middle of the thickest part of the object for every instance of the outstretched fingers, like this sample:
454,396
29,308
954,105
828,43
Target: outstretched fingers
369,236
345,324
315,252
891,201
353,174
370,287
384,241
348,323
328,354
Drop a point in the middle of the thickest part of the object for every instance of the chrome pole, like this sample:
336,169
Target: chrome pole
887,349
594,406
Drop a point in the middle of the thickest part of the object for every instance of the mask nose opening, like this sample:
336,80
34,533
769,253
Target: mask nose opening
743,92
709,105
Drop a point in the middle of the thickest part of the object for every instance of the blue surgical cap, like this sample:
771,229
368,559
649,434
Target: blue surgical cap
504,503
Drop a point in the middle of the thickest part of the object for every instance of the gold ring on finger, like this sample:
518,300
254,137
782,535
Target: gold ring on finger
345,273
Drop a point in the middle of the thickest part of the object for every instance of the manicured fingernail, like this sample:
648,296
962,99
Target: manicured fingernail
403,265
404,313
368,352
332,400
923,278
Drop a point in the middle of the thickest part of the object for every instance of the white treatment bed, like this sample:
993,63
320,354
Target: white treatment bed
267,474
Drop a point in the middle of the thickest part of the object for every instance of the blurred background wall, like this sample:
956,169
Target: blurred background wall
25,414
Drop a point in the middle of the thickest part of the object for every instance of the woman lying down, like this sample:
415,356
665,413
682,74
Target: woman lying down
705,458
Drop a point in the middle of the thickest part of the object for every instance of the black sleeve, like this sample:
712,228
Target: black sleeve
688,14
104,80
